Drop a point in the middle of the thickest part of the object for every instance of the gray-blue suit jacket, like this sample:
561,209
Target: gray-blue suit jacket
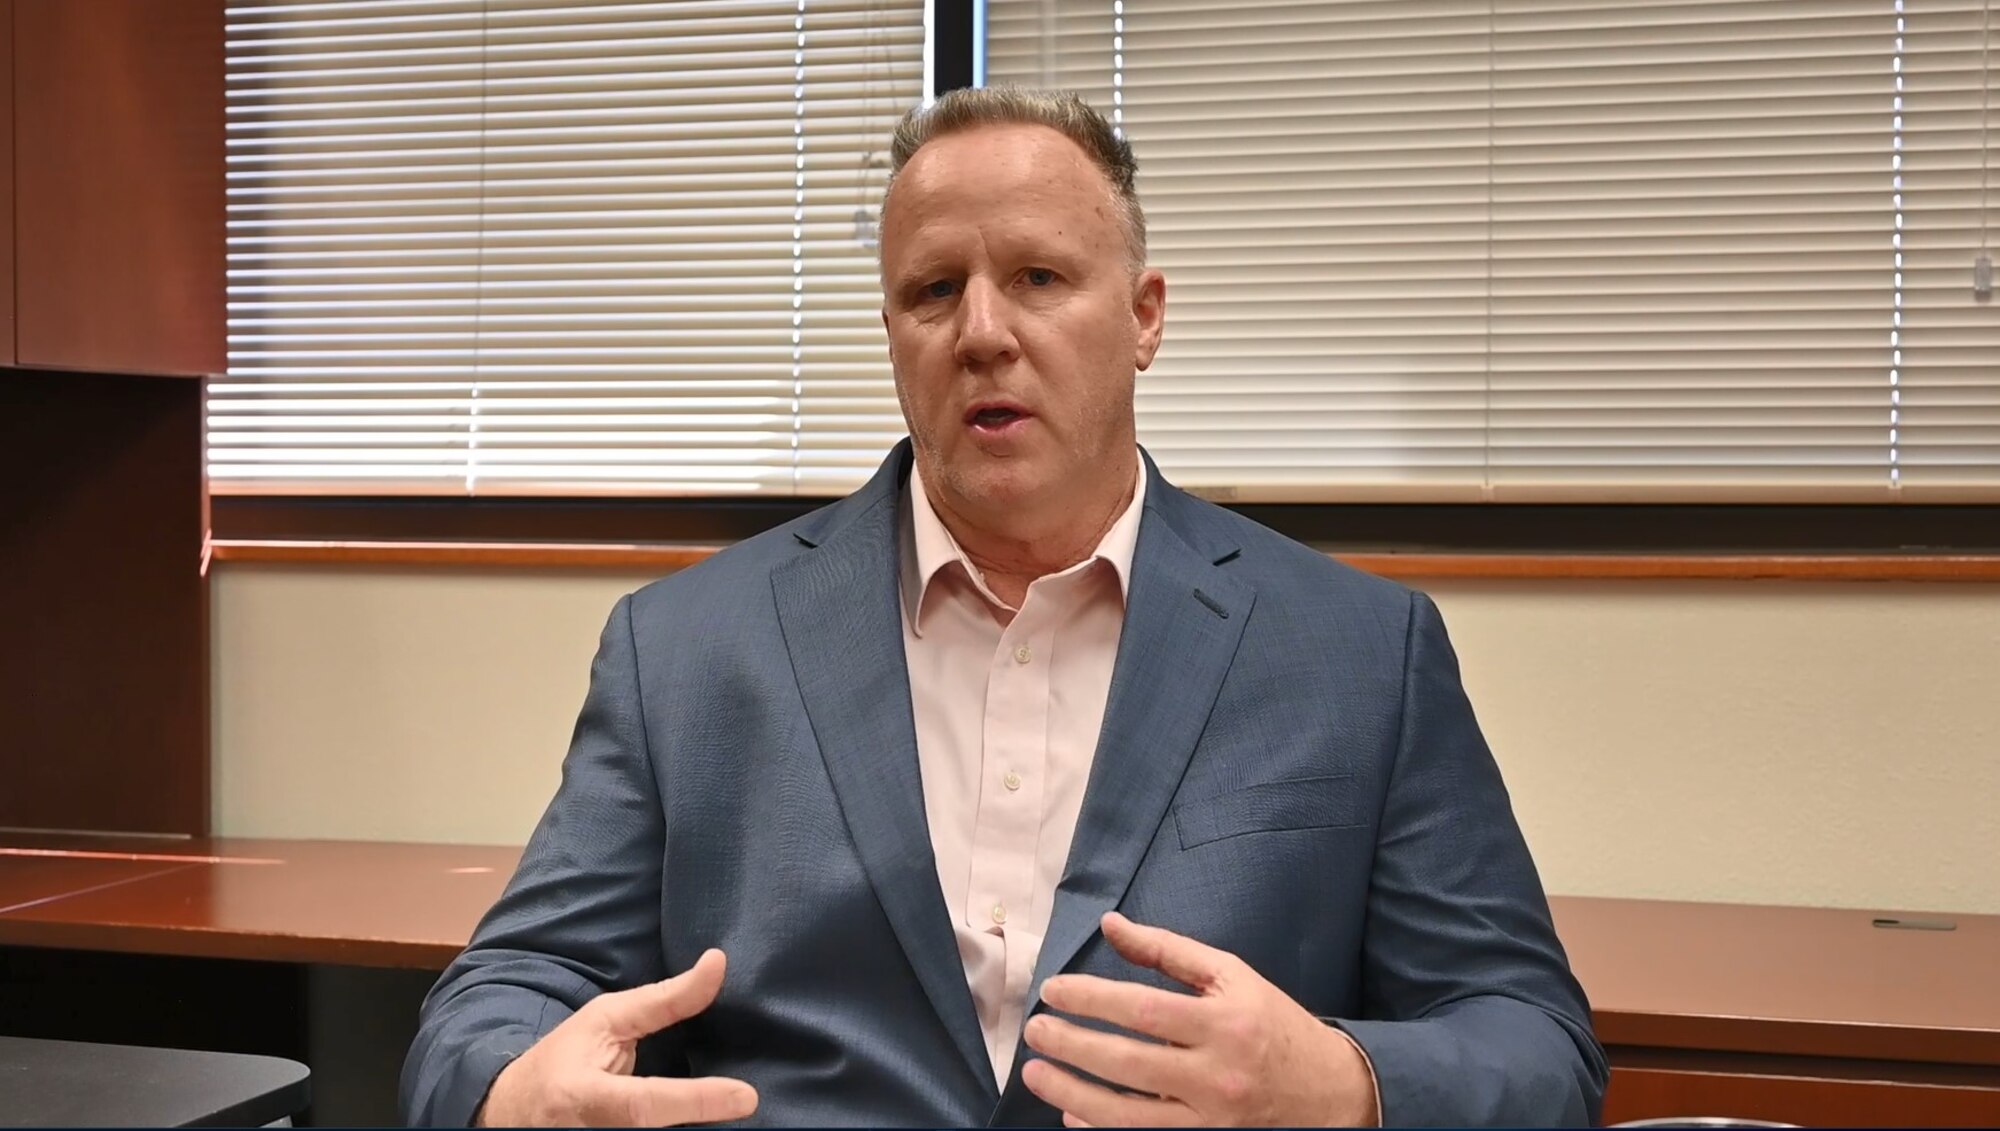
1288,770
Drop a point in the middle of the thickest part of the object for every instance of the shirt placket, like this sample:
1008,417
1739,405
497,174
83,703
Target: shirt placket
1012,786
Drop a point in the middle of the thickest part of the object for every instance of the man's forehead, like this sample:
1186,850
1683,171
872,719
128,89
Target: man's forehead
1028,187
987,155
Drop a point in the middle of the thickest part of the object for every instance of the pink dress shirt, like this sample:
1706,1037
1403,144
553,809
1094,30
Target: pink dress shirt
1007,703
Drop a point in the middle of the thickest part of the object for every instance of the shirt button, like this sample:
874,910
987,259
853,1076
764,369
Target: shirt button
1012,780
1022,654
999,913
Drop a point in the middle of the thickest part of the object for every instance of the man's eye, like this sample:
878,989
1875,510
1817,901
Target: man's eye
1040,276
943,288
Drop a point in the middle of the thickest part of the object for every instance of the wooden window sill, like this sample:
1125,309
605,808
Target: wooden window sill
666,557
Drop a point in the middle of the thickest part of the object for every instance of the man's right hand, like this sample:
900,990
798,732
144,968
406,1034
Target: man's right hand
580,1075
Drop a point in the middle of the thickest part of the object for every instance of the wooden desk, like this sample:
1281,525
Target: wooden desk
350,903
28,880
311,951
1805,1015
1797,980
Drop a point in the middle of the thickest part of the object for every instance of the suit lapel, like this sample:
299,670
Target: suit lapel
1183,620
837,608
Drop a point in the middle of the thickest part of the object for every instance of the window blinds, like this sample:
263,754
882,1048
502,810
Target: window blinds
1949,411
1544,250
562,247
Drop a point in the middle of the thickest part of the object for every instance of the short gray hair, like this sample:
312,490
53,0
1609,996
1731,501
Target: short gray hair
1063,111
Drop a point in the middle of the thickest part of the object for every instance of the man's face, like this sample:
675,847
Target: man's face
1016,319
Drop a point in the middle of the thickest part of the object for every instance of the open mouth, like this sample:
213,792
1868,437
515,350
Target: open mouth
994,417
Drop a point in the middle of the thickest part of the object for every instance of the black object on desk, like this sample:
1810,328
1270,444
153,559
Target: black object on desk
75,1084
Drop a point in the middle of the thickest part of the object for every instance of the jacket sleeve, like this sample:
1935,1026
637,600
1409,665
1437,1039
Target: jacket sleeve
1470,1015
581,915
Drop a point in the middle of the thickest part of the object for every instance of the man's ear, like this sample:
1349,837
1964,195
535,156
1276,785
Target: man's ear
886,334
1149,313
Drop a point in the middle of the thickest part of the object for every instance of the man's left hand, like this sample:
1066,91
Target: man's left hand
1238,1051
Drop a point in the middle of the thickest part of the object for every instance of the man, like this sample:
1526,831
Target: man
1018,787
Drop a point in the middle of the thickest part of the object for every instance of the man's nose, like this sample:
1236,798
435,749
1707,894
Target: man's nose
985,329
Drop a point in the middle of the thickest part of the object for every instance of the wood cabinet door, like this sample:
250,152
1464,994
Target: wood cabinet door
118,186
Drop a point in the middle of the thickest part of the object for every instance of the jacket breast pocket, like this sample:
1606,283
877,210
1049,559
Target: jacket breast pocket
1296,803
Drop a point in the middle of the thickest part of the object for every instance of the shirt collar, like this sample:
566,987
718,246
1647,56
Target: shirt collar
928,548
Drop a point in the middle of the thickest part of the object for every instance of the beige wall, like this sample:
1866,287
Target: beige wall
1821,743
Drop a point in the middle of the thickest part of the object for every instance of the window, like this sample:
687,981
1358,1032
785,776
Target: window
1465,251
1718,250
494,247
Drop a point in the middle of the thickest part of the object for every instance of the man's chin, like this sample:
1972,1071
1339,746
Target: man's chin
998,487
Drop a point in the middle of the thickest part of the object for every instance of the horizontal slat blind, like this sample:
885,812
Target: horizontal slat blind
1543,249
1692,271
847,413
550,247
1314,178
1950,363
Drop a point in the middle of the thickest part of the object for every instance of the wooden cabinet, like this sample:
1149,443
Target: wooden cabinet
112,296
118,186
103,606
6,182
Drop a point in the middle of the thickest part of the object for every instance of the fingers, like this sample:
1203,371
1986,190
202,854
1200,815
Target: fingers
1092,1104
1156,948
1136,1064
1174,1017
640,1012
656,1101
